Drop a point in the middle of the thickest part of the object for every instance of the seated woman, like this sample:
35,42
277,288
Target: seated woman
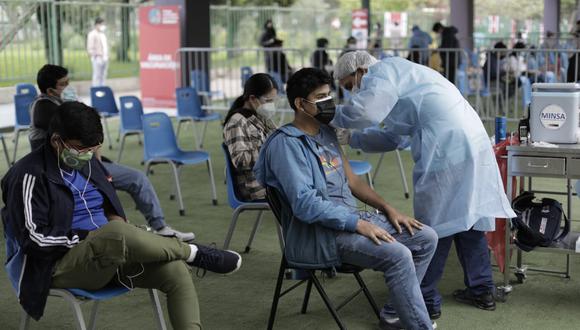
246,127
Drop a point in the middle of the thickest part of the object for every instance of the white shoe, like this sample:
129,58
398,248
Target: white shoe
167,231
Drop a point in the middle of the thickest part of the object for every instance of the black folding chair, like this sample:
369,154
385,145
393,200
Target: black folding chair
276,201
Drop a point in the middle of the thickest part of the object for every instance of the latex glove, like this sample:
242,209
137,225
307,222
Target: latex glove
343,135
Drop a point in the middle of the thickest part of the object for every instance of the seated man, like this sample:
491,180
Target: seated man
302,160
67,229
52,81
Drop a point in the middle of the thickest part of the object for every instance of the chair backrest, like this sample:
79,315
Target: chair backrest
103,99
26,88
188,104
22,104
275,200
158,136
131,113
233,198
199,80
246,73
278,79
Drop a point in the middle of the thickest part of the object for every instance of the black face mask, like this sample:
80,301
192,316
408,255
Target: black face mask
326,110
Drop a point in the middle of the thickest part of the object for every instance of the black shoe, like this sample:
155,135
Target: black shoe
434,315
215,260
484,301
395,324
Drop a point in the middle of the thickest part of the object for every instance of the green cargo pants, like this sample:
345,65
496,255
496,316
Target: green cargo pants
123,253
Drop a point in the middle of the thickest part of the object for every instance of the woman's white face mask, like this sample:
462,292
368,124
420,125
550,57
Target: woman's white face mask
267,109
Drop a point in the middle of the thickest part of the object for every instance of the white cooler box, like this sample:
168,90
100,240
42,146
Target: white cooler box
554,113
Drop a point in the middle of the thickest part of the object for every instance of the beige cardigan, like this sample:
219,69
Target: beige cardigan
95,46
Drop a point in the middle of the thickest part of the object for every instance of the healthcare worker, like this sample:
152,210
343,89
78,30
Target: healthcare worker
457,185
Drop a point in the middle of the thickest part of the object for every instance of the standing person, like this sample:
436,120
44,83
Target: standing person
449,46
98,50
52,82
457,184
420,39
246,127
268,34
350,46
276,61
320,58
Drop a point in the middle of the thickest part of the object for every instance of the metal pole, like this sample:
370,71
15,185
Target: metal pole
366,4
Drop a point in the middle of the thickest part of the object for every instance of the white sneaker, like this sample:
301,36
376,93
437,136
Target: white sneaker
167,231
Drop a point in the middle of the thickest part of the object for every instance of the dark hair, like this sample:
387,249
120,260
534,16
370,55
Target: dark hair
48,75
304,82
437,26
350,39
77,121
99,20
258,84
321,42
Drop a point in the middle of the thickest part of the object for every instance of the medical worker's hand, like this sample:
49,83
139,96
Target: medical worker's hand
343,135
398,220
373,232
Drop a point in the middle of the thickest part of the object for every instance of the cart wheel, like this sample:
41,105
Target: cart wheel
521,277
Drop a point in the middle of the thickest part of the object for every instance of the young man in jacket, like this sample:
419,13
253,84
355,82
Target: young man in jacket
304,163
65,227
52,80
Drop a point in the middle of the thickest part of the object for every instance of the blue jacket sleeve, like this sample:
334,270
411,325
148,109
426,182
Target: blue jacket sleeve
289,166
375,139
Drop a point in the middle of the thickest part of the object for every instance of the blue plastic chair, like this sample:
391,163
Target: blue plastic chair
245,73
200,81
361,167
103,99
26,88
131,121
161,147
240,206
278,79
189,110
22,104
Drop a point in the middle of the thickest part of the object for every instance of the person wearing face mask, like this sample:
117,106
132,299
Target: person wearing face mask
304,163
246,127
66,228
458,189
98,50
349,47
52,81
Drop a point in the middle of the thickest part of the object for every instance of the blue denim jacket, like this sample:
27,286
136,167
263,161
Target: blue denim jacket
289,163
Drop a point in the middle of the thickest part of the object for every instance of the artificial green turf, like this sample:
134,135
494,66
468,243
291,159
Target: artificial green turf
242,301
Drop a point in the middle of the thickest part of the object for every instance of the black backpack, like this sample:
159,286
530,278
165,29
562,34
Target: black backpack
538,223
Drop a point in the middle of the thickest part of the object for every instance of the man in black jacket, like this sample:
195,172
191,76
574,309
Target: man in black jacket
65,227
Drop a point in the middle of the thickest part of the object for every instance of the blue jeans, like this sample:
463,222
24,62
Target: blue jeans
403,263
139,187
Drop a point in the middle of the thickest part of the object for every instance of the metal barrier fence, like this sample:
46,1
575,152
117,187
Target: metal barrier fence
33,33
496,82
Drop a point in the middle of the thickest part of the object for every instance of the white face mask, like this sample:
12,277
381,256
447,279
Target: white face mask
102,28
69,94
267,110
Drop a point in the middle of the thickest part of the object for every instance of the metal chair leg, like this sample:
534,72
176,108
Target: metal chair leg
254,230
307,294
178,129
280,236
368,294
105,122
94,311
203,134
370,180
277,294
214,200
379,163
233,224
24,320
403,176
15,145
174,191
5,151
328,303
121,148
157,311
178,188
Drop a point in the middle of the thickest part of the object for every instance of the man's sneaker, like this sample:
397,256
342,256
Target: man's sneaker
434,315
170,232
215,260
395,324
484,301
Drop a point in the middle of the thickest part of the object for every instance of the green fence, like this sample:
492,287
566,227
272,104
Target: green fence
33,33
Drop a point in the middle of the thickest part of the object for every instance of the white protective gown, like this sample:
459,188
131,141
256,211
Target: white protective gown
457,184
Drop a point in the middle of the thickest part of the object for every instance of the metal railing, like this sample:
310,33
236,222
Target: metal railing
33,33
